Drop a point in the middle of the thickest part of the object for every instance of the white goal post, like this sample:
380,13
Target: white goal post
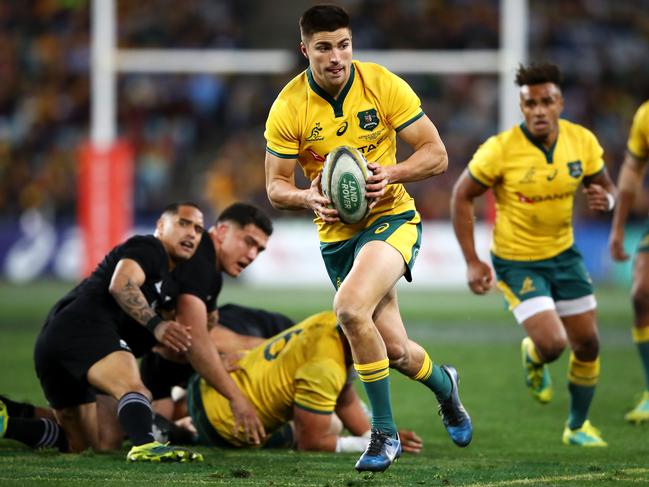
107,61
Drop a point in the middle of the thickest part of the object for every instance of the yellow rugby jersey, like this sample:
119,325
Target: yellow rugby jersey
534,188
304,366
638,143
306,123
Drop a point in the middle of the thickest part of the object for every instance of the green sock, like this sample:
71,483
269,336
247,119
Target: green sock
580,399
440,383
375,377
433,377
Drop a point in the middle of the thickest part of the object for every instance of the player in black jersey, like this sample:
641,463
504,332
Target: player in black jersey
239,235
91,337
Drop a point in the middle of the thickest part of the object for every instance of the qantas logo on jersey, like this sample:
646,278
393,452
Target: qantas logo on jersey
543,197
363,149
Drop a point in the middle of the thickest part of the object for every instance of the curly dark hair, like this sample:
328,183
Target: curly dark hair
535,74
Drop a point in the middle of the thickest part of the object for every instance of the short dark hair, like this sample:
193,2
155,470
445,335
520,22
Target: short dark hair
323,18
535,74
244,214
173,208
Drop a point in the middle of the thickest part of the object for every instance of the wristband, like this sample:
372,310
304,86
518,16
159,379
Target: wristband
611,201
153,323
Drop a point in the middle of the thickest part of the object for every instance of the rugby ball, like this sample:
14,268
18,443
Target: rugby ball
343,181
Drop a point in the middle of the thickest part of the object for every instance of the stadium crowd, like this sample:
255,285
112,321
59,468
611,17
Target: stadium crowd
202,134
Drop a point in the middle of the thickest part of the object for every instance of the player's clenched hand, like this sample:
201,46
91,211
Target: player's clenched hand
410,442
173,335
319,204
597,197
376,183
245,417
616,246
479,277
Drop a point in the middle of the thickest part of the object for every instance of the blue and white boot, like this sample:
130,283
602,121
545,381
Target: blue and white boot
382,451
455,418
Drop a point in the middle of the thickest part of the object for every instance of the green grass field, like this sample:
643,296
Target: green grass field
517,442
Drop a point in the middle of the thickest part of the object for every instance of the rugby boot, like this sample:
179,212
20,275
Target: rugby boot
637,415
157,452
455,418
382,451
587,436
537,377
4,419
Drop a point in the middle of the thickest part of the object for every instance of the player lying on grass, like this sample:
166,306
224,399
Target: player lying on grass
303,374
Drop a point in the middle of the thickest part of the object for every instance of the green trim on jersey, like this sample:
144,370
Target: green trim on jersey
337,105
412,120
281,156
311,410
587,179
477,180
548,153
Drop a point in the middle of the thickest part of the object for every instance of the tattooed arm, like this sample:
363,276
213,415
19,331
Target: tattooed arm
125,288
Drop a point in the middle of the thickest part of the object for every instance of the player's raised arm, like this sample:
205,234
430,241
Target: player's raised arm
284,195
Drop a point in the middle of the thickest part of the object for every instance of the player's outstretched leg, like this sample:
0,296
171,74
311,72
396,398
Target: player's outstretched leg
537,375
455,418
33,432
382,451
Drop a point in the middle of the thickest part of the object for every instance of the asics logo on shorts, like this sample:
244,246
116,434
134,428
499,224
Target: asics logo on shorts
124,345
